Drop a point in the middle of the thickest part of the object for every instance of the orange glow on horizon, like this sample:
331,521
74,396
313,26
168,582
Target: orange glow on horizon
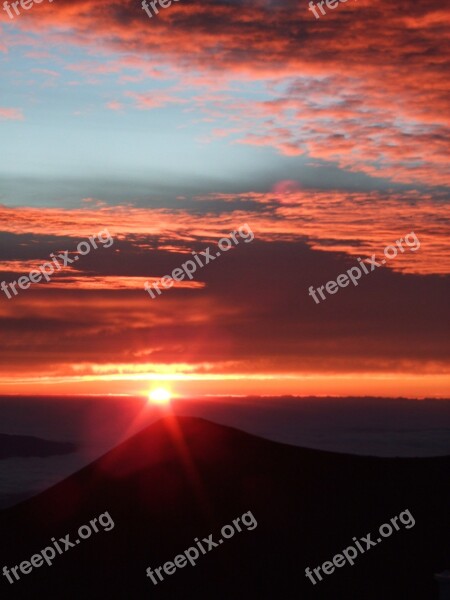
388,385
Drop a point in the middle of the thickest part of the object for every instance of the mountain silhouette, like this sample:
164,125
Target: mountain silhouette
184,478
12,446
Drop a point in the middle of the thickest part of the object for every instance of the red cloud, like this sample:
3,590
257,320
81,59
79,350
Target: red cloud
355,223
365,86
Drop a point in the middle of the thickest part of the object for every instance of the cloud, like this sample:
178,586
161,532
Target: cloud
249,312
332,93
11,114
352,223
114,105
264,323
153,100
363,88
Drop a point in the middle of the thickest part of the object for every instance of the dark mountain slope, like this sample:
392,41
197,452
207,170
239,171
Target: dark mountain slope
183,478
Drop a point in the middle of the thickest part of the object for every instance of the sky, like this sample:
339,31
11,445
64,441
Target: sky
328,138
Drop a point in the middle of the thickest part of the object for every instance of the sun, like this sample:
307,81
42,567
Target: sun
160,396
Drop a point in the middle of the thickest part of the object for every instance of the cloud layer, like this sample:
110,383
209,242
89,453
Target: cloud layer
365,87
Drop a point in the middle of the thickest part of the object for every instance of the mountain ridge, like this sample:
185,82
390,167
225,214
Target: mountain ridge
182,478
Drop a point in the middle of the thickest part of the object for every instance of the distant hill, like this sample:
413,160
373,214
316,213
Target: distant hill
13,446
183,478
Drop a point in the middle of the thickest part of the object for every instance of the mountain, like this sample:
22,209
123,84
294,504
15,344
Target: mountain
184,478
12,446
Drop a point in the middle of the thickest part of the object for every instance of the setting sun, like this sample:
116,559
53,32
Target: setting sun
160,396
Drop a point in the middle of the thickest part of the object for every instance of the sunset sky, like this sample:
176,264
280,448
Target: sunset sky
328,137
